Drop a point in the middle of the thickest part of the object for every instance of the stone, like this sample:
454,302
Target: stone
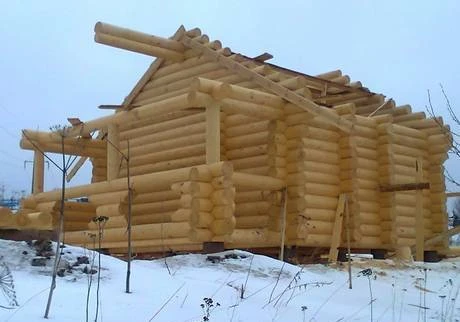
38,261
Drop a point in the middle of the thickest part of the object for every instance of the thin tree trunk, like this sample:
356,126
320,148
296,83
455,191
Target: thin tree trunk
128,270
57,257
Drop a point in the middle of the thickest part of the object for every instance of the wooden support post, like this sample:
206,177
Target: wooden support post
113,153
419,222
337,230
283,222
347,222
38,172
75,168
213,133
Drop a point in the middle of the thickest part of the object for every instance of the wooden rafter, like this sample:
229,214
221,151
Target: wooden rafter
149,73
290,96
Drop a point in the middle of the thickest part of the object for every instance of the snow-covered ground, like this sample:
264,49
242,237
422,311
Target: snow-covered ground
273,291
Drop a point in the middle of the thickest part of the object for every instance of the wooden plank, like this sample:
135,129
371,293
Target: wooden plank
440,237
283,222
419,218
309,106
149,73
337,231
75,168
213,133
405,187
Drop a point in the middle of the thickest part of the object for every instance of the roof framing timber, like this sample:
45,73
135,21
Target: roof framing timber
290,96
150,71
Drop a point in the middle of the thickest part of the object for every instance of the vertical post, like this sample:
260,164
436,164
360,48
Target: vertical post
347,220
113,154
38,172
336,237
213,133
283,222
128,270
419,217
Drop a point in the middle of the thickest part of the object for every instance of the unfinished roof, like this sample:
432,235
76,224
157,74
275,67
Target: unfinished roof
190,54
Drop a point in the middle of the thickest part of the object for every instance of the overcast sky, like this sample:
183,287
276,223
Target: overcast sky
51,68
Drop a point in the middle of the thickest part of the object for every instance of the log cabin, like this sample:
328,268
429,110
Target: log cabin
214,146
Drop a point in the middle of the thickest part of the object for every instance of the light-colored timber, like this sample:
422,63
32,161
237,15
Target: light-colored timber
215,138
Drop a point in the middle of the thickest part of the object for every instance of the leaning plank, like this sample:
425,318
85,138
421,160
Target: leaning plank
439,238
337,231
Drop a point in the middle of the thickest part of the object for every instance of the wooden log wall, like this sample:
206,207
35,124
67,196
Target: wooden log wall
360,177
45,215
255,146
438,144
313,179
188,213
399,148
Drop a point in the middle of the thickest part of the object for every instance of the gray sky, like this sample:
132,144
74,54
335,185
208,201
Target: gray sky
51,69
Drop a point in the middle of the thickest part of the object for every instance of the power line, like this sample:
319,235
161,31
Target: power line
8,111
9,164
10,155
8,132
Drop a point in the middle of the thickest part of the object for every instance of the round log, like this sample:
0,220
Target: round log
257,150
244,129
257,111
140,232
201,219
163,217
252,222
313,166
318,202
155,207
166,135
109,210
201,234
196,189
168,155
249,236
223,226
168,144
223,196
155,196
249,196
222,212
113,222
159,123
153,127
299,131
326,215
250,95
235,119
109,197
256,208
313,177
164,165
257,182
